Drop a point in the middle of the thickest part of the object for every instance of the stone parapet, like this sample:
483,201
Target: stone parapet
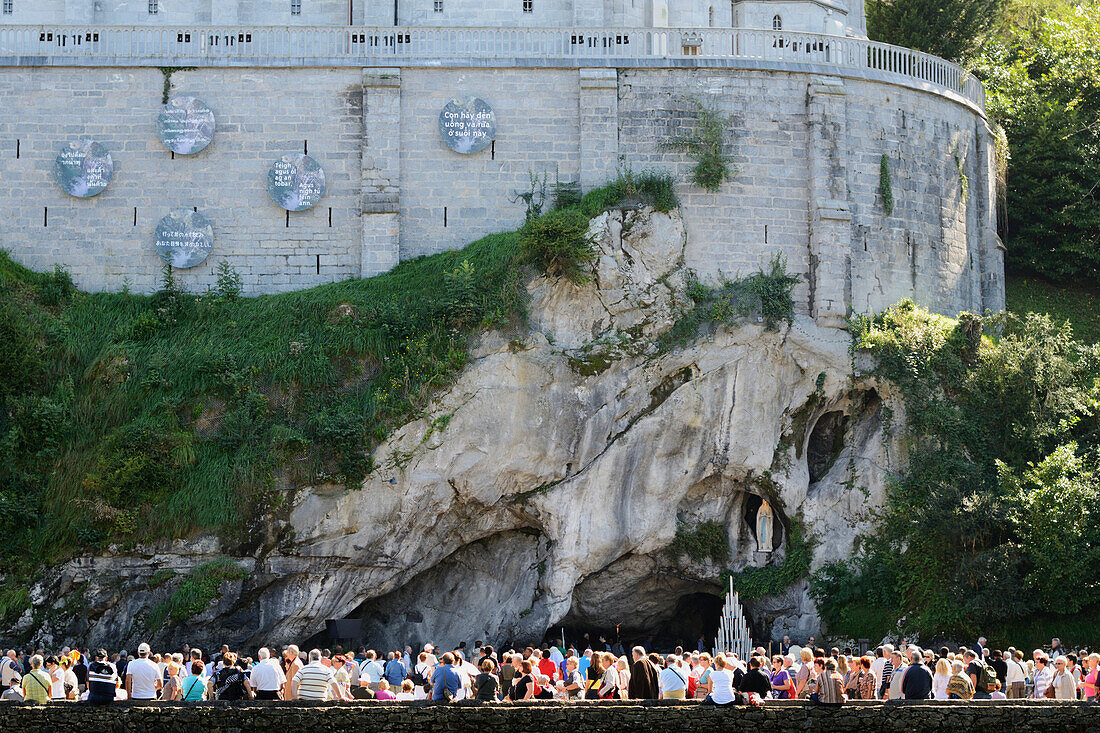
554,717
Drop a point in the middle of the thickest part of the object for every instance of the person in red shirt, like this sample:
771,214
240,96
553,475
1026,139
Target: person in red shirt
547,666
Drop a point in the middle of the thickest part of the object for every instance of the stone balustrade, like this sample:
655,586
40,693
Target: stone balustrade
354,46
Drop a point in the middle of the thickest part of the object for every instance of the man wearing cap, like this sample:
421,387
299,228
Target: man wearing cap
143,677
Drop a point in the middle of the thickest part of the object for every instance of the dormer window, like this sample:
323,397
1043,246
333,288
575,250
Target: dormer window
777,23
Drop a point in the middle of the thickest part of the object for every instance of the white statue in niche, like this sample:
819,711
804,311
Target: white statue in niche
764,527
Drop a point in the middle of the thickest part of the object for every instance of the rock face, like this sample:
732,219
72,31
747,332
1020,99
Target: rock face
547,484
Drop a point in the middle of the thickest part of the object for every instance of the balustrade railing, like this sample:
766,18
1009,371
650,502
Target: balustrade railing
362,46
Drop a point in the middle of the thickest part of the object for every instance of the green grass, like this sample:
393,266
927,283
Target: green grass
1076,302
174,412
197,591
129,418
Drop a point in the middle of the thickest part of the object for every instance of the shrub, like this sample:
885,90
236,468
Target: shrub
228,288
707,146
559,245
705,540
648,188
197,591
774,286
56,288
20,364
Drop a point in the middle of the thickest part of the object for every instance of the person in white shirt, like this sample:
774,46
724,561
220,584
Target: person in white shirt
721,683
1065,687
1044,676
672,680
267,677
1015,674
143,677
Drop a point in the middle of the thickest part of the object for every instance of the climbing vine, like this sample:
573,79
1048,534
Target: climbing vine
771,580
168,71
885,189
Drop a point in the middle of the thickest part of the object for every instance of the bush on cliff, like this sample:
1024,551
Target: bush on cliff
995,521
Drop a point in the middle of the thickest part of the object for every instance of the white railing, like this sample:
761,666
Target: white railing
361,46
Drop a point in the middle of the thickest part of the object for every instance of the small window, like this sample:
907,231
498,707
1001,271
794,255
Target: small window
777,23
710,17
438,6
528,6
8,7
295,7
153,7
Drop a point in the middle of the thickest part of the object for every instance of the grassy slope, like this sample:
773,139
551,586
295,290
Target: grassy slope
1078,303
186,406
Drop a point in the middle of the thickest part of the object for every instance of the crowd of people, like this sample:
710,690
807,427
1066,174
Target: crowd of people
834,677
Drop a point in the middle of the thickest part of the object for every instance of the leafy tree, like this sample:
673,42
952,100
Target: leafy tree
948,28
995,517
1043,83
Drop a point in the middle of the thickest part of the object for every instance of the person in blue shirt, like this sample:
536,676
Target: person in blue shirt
445,679
395,671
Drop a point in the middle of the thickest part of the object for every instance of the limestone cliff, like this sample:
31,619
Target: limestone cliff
545,486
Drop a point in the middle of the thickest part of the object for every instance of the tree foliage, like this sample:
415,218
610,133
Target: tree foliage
951,29
996,517
1043,85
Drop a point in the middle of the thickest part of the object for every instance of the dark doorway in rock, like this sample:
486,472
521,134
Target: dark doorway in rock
826,443
696,615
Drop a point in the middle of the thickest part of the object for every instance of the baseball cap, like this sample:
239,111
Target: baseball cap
143,648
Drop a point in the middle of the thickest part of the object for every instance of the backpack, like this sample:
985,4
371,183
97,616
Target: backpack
987,678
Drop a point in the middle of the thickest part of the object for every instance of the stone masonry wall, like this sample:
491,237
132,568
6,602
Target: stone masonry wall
550,717
806,149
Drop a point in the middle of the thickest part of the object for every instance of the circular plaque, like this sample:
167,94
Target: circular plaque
296,182
83,168
186,125
467,127
184,238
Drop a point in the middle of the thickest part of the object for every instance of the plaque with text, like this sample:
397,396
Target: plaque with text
83,168
467,127
186,125
184,238
296,182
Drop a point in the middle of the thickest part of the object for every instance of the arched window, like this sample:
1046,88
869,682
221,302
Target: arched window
777,23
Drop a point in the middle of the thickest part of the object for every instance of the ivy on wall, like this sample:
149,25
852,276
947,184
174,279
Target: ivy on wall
884,187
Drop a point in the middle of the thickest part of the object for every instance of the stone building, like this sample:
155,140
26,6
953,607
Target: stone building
816,115
839,17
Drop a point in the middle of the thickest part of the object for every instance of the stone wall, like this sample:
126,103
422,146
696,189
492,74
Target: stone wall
806,148
552,717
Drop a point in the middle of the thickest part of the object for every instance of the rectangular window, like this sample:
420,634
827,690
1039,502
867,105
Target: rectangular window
8,7
528,6
295,7
152,7
438,6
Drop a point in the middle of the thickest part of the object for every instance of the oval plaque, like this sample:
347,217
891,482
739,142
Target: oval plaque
296,182
184,238
467,127
83,168
186,125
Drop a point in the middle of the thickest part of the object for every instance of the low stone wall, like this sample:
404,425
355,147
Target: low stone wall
552,717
